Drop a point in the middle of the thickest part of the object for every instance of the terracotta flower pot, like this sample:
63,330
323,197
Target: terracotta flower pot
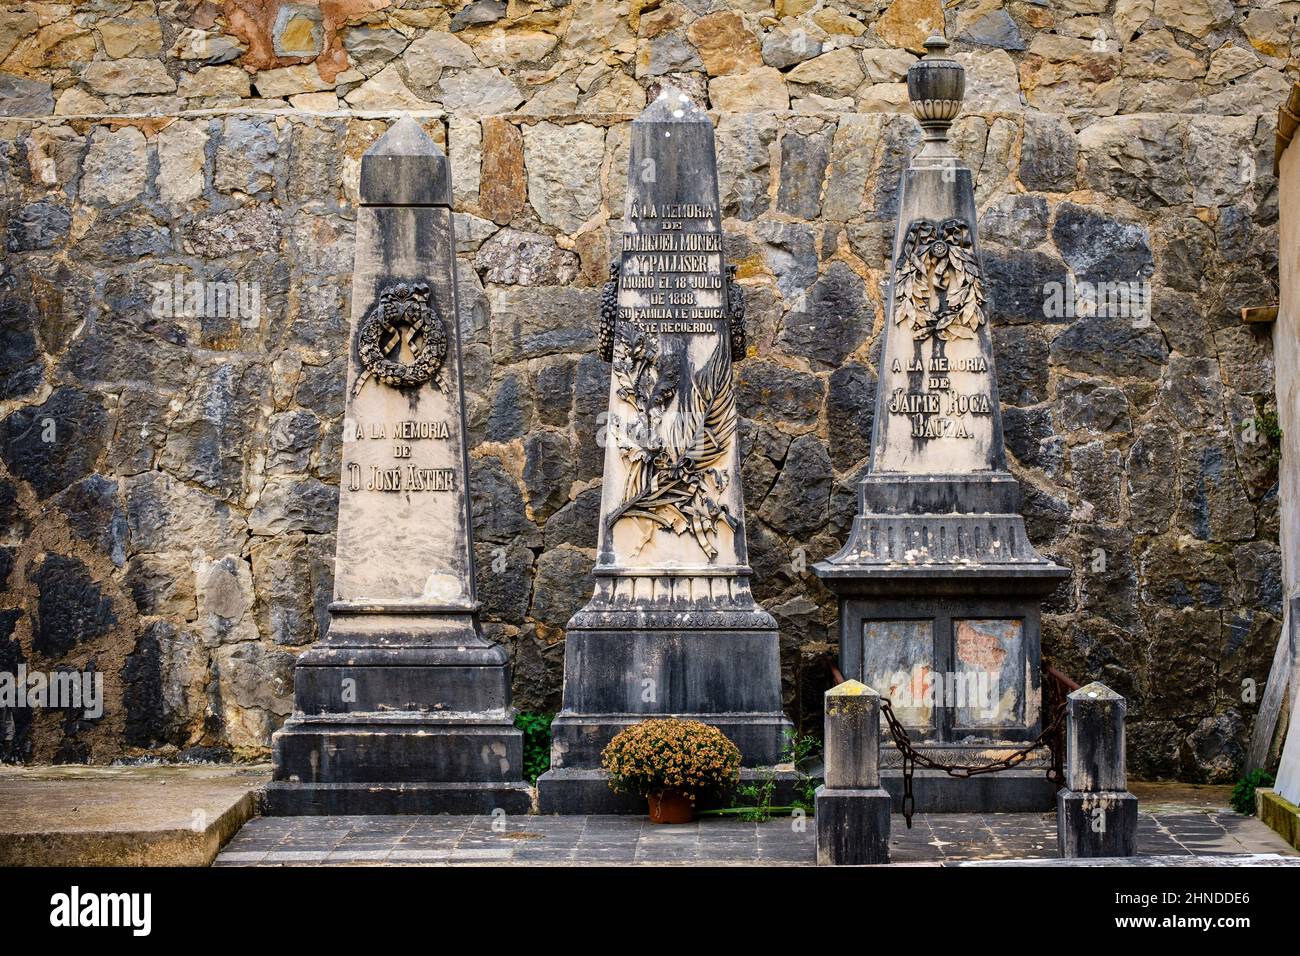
671,806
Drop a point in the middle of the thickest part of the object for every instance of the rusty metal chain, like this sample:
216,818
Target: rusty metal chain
1050,737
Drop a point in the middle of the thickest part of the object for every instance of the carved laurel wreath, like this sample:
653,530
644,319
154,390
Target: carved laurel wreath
401,316
673,476
939,258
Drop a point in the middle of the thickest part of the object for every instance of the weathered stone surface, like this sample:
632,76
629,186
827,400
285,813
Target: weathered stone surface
528,323
209,442
246,154
994,29
1110,346
803,168
837,73
563,585
1017,219
561,162
850,410
251,228
371,47
305,504
777,393
227,82
20,96
386,90
760,88
53,444
833,322
669,53
95,515
784,47
71,608
480,92
127,76
1098,248
1138,158
907,23
478,13
116,166
1092,405
428,55
1197,17
211,48
503,189
744,170
181,161
38,225
724,43
1049,154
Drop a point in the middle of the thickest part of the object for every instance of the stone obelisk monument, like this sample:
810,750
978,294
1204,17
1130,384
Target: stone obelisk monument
672,628
939,588
404,707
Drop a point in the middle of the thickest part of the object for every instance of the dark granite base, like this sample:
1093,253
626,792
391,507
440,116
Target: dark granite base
348,799
579,791
1079,820
399,763
1011,791
852,827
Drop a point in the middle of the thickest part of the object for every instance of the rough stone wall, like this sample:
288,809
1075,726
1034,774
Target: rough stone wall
173,527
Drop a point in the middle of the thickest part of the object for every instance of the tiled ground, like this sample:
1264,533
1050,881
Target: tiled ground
934,839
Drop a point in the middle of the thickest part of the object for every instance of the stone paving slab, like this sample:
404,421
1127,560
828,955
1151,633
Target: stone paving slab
123,816
1188,835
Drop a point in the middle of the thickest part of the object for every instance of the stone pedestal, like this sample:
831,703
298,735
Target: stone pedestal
404,707
672,628
939,588
851,809
1095,813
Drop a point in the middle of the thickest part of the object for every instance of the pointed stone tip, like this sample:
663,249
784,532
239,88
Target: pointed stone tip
406,137
404,167
672,106
851,688
1095,691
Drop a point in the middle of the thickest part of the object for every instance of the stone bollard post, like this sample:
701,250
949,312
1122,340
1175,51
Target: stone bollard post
1095,813
852,809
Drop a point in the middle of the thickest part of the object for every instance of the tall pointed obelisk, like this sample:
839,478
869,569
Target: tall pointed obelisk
673,628
404,707
939,588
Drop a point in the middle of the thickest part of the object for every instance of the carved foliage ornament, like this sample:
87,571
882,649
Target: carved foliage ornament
672,452
938,289
402,319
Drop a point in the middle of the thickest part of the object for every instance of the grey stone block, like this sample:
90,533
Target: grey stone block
852,735
1096,824
1095,744
852,827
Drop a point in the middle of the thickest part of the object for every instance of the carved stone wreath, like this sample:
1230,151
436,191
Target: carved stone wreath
401,316
938,289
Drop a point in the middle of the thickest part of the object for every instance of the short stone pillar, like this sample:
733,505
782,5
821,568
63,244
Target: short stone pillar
852,809
1095,813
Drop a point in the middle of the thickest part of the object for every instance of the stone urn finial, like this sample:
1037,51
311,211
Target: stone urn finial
936,84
